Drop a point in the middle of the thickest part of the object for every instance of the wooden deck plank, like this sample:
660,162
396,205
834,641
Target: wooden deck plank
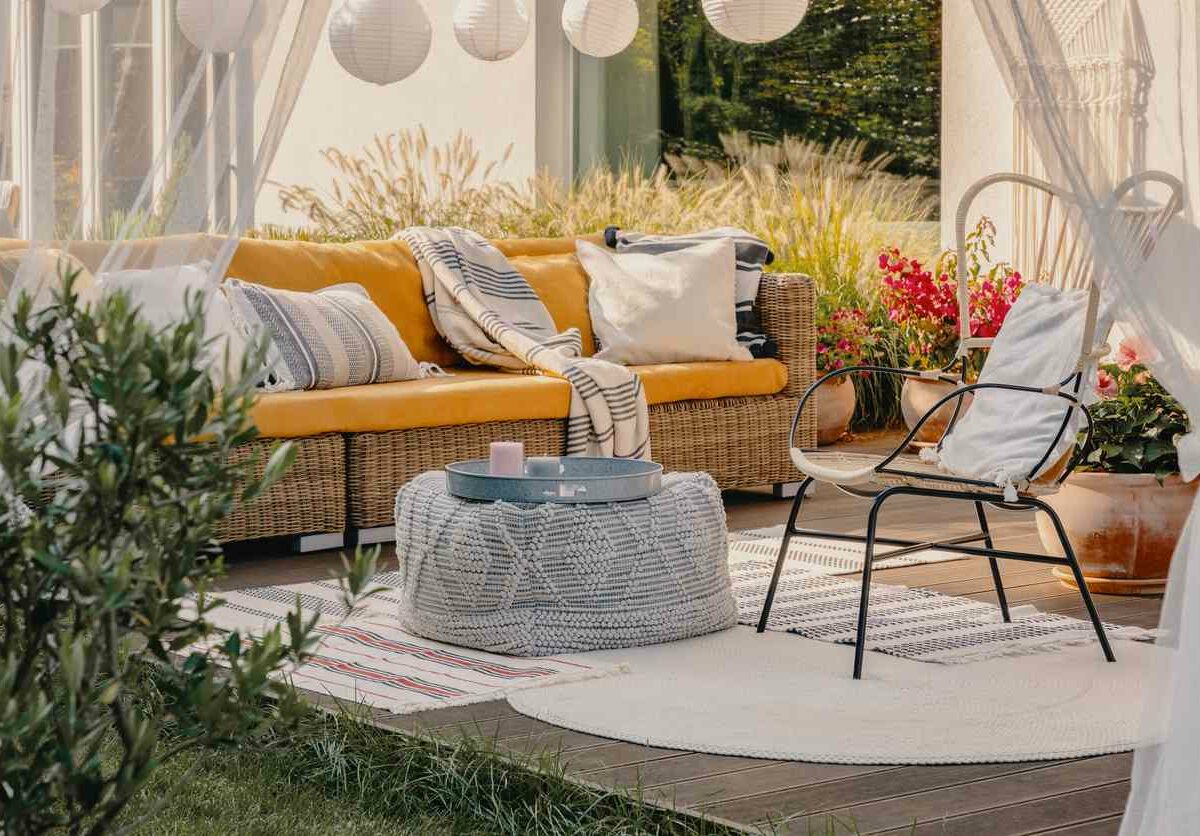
439,718
1110,826
1090,810
790,775
838,795
977,796
673,770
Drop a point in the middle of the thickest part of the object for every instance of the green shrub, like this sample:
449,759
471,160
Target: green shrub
115,447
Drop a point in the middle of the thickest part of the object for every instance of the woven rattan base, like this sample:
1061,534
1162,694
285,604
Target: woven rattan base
741,442
310,499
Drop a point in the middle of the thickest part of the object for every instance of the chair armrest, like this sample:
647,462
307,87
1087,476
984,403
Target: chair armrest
787,302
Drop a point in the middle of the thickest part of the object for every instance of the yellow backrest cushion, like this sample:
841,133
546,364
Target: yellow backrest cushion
388,272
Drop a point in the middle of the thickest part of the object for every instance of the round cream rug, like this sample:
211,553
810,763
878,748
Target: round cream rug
783,697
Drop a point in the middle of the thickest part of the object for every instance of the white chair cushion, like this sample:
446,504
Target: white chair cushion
1005,434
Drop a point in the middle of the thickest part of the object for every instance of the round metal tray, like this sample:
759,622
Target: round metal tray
583,480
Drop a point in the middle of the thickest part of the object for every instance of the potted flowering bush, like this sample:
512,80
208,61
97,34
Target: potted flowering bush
924,304
843,337
1125,506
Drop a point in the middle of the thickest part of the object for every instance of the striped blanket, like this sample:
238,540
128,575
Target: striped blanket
488,312
752,255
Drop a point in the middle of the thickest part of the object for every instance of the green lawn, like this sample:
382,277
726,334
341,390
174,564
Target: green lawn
335,775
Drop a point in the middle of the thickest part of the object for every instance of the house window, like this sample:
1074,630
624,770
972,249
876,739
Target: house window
132,98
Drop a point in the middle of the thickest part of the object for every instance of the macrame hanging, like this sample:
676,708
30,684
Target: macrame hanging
1106,70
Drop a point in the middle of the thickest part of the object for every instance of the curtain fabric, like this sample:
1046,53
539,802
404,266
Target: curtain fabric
134,147
1154,297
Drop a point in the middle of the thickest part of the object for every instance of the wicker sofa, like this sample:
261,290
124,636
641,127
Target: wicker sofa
357,446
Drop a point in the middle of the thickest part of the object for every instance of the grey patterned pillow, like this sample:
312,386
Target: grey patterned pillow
324,340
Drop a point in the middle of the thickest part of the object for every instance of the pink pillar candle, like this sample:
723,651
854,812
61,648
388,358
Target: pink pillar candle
507,458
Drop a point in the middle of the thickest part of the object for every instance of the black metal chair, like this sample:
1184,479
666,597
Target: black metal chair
879,478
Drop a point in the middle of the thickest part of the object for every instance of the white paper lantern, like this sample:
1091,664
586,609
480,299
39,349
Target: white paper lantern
220,26
380,41
600,28
77,8
491,30
754,21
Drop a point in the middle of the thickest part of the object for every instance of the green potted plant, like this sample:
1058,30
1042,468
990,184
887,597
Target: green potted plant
844,336
1125,506
924,304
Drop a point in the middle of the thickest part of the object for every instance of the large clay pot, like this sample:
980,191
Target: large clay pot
835,407
1123,528
918,397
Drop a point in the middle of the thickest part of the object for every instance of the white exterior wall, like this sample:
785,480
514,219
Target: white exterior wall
977,123
493,103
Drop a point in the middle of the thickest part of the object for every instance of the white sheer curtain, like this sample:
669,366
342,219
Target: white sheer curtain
1158,298
141,133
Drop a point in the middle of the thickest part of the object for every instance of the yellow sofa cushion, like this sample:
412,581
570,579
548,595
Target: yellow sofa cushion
477,397
389,273
385,268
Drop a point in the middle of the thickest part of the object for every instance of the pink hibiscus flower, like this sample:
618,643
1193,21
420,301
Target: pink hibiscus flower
1106,384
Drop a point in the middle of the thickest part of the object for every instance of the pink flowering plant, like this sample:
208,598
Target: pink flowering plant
844,338
1136,421
923,302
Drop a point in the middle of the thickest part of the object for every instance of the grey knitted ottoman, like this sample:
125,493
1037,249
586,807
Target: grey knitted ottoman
532,580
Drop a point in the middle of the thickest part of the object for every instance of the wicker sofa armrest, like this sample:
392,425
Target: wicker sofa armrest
788,305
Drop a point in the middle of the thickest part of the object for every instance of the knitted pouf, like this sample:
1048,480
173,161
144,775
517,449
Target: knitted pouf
539,579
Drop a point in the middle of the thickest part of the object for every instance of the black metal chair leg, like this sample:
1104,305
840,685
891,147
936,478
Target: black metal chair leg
996,579
783,549
860,638
1069,553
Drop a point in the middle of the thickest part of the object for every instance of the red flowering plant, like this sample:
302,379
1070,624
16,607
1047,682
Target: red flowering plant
844,338
924,302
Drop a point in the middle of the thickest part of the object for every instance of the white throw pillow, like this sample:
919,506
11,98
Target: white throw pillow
1005,434
161,293
673,307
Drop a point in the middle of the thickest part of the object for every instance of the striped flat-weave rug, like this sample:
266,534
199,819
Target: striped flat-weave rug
368,659
916,624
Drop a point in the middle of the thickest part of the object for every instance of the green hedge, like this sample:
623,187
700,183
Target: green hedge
864,69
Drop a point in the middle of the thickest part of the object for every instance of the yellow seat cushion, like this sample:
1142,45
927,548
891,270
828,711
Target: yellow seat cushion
471,396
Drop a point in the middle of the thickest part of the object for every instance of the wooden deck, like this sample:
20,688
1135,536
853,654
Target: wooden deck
1079,797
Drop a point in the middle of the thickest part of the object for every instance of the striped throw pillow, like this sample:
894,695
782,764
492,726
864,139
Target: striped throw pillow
324,340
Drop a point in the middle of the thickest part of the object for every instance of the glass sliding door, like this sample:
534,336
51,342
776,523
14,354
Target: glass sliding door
122,73
124,89
617,102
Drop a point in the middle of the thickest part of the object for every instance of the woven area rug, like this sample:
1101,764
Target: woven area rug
785,697
825,557
368,659
910,623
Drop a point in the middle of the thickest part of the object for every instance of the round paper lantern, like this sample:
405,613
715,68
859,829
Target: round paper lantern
220,26
380,41
754,21
600,28
78,8
491,29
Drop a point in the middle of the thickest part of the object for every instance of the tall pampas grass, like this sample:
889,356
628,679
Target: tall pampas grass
825,211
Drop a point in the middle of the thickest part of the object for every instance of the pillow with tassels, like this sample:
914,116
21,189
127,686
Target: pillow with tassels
332,338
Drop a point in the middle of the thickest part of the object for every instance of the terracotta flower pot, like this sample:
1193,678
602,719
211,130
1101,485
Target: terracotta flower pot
917,397
835,408
1123,528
